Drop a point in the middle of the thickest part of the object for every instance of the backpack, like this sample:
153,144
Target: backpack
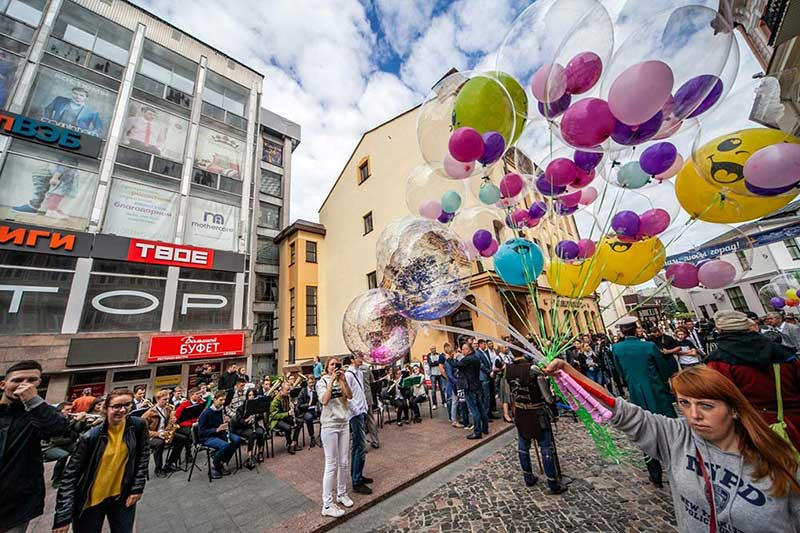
779,427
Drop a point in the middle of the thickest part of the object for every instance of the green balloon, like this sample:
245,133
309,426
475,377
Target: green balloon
483,104
489,193
518,98
450,201
631,176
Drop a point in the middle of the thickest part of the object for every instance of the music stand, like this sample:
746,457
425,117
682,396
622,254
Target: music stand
257,406
139,412
411,381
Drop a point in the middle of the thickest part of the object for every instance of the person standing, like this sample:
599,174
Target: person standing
82,404
470,368
486,377
334,394
106,475
228,378
451,385
790,333
318,369
358,422
697,337
435,362
669,347
642,366
25,420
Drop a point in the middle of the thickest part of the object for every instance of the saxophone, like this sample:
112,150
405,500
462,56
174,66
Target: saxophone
172,426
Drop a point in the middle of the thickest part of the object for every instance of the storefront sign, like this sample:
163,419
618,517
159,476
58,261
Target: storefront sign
166,381
102,351
44,240
161,253
183,347
212,224
49,134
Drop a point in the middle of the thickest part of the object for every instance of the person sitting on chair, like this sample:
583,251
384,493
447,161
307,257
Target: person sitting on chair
212,428
161,426
185,426
250,431
281,417
419,394
307,403
402,397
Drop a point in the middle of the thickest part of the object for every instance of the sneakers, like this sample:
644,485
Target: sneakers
345,500
25,209
362,489
473,436
216,474
366,480
457,425
434,407
332,511
470,427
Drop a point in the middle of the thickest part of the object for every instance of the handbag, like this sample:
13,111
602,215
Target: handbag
779,427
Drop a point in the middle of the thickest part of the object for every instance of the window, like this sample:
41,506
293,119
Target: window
269,216
704,311
204,303
363,171
291,313
267,288
225,100
166,74
263,331
267,252
792,248
272,153
291,253
714,308
124,216
462,319
311,252
372,280
368,223
154,131
271,184
740,255
219,153
737,299
27,11
311,311
212,224
763,297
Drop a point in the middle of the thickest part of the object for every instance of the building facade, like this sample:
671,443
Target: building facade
129,158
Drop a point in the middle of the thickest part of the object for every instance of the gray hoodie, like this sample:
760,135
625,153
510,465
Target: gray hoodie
743,505
335,415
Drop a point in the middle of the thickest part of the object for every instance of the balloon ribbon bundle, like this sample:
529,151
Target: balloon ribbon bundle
578,398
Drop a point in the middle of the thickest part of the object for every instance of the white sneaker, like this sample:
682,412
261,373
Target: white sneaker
345,500
58,215
332,511
434,407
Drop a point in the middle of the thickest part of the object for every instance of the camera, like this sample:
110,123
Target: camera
337,366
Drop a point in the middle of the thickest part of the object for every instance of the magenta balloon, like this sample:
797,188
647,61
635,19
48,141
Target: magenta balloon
582,179
716,274
570,199
466,145
586,248
588,195
582,72
773,167
490,251
683,275
653,221
521,219
587,123
456,169
671,171
549,83
430,209
561,172
640,91
511,185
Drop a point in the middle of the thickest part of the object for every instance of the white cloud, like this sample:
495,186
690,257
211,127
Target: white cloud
433,55
403,21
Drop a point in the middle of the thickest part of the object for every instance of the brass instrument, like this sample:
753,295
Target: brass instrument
171,427
278,383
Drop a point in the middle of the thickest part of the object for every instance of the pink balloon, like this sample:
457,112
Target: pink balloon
456,169
587,123
521,219
653,221
511,185
466,145
640,92
586,248
490,251
561,171
774,167
582,178
582,72
588,195
671,171
683,275
716,274
571,199
549,83
430,209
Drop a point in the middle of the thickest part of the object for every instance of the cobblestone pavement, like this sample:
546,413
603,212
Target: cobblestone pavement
491,496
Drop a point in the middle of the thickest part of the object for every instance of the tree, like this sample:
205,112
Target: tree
674,307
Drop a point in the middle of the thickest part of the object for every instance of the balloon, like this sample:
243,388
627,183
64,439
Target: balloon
483,103
586,248
588,195
489,193
466,145
682,275
582,179
389,240
570,199
632,135
544,186
456,169
483,220
387,335
352,338
490,250
520,218
631,176
625,224
716,274
537,210
430,209
630,263
494,146
760,191
583,72
792,302
511,185
640,91
587,123
482,239
653,221
451,201
549,83
777,302
519,262
791,293
774,167
554,109
445,217
519,100
561,172
672,170
586,160
564,210
574,280
658,158
697,95
567,250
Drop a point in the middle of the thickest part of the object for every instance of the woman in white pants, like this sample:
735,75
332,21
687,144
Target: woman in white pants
334,394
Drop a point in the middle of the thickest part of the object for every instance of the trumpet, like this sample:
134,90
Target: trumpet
278,383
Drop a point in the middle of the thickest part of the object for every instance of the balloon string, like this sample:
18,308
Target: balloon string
469,333
499,321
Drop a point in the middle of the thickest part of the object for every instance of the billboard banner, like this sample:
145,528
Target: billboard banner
219,153
212,224
39,192
136,210
762,238
183,347
9,69
152,130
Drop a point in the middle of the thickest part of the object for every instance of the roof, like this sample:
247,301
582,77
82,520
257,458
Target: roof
300,225
280,125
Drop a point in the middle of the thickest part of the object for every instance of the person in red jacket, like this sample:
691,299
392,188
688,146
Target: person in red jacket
746,357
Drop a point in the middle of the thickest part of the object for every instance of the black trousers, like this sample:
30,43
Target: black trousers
289,430
252,437
402,409
308,418
654,470
181,440
120,518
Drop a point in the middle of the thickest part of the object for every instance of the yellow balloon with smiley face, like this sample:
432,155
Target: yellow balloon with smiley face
630,263
574,280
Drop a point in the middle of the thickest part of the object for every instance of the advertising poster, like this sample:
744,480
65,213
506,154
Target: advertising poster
47,194
71,103
9,65
136,210
212,225
152,130
219,153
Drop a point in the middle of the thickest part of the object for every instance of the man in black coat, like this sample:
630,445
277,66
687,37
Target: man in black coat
227,380
470,366
25,419
307,407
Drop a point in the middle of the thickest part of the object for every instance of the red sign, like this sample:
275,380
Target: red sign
182,347
162,253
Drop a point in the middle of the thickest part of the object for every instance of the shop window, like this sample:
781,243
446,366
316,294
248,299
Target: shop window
204,305
272,153
166,74
33,300
225,100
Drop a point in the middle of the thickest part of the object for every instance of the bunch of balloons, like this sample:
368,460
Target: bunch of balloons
632,227
711,274
782,291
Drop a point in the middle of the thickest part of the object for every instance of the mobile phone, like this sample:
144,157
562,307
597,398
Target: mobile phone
337,366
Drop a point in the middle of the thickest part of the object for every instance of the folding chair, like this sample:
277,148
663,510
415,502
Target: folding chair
198,447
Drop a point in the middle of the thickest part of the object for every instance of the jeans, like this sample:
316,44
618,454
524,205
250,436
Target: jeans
452,404
547,447
291,432
60,456
437,382
479,416
21,528
308,418
120,518
336,444
463,408
223,449
485,402
359,451
595,374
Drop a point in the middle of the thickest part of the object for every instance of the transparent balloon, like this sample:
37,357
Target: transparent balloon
429,193
387,334
352,338
780,291
613,199
389,240
481,230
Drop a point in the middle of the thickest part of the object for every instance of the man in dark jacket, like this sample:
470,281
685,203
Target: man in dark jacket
25,419
470,367
307,407
228,379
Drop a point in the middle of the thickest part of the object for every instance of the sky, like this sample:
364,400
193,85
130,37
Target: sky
341,67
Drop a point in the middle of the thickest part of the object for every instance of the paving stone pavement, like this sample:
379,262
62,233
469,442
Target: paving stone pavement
491,496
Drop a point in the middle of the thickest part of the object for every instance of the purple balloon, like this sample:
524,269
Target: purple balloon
658,158
537,210
653,221
564,210
444,218
493,147
683,275
586,248
544,186
632,135
555,108
625,224
697,95
482,239
777,302
567,250
761,191
587,160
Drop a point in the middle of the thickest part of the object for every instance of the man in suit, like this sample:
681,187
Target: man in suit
646,373
470,368
307,407
486,376
75,112
790,333
696,337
